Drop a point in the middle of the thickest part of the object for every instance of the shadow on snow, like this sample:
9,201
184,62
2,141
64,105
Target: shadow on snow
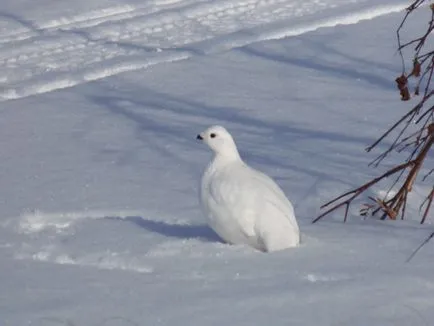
172,230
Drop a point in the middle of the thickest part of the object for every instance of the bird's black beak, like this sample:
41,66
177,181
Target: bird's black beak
199,137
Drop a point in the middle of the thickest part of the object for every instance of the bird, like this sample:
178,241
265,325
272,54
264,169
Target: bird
241,204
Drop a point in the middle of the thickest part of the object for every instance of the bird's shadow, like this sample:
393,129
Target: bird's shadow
173,230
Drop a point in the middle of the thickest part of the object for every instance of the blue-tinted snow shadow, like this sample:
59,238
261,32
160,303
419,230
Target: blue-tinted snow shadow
147,107
333,68
146,110
172,230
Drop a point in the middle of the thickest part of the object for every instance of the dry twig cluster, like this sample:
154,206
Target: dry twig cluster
418,143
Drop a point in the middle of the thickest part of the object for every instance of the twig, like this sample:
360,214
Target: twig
393,206
356,192
420,247
428,200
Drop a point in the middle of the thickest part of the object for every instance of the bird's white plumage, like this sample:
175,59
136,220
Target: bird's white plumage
243,205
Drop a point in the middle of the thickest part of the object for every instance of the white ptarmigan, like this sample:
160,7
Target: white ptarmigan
243,205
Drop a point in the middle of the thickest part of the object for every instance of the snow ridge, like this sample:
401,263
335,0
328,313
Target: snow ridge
38,221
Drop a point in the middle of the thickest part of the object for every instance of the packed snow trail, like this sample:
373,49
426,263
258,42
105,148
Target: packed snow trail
43,56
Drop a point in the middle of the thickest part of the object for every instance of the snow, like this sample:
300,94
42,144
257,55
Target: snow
65,52
241,204
100,220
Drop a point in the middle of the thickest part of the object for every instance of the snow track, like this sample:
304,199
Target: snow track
72,50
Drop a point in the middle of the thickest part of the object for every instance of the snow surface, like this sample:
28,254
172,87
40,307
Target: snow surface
100,220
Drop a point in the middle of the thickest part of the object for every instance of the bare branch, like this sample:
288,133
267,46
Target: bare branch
428,201
356,192
418,143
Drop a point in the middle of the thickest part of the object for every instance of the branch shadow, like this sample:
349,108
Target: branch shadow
31,26
152,102
149,110
172,230
330,68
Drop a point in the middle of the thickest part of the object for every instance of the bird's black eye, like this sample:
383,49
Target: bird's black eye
213,135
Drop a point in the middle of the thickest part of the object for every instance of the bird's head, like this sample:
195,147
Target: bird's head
220,141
